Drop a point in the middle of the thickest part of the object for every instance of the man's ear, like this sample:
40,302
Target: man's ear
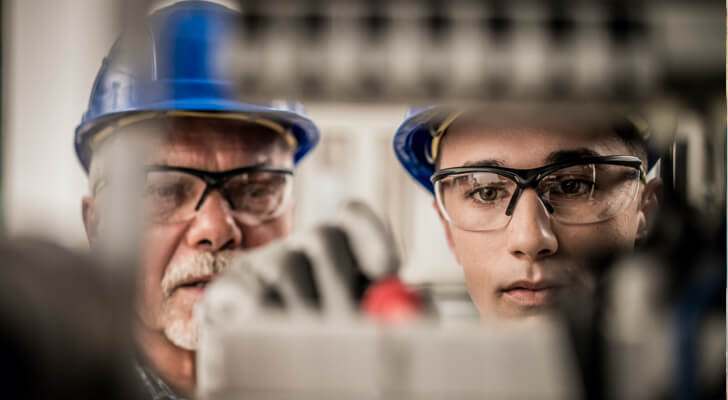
90,215
447,229
649,206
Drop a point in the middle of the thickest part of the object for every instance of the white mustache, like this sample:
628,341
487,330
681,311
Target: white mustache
195,266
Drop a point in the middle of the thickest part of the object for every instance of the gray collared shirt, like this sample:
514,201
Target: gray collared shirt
155,386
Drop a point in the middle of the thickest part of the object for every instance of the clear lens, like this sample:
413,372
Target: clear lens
171,196
590,193
259,196
475,201
581,194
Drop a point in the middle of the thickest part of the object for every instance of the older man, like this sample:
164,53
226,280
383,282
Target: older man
218,171
527,197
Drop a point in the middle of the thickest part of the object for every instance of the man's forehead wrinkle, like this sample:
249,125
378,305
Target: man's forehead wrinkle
209,156
248,134
219,151
207,143
192,129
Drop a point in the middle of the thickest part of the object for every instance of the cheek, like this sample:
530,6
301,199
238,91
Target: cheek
480,255
580,241
160,245
623,229
255,236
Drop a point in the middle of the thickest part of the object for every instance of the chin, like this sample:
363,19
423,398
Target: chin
535,313
506,311
178,322
182,333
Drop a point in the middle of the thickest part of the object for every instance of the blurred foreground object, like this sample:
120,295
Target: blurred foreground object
269,358
654,329
322,272
62,332
284,322
389,300
326,274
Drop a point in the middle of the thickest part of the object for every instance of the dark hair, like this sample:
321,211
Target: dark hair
633,136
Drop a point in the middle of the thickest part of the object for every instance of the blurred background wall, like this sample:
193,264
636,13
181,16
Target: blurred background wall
355,160
51,52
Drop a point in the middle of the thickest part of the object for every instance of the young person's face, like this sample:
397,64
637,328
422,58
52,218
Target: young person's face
522,268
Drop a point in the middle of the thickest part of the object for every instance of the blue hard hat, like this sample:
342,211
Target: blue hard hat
413,141
423,126
178,61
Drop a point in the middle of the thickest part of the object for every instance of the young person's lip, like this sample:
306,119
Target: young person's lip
531,285
531,293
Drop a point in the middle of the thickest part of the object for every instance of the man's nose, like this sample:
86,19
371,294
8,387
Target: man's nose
214,227
529,231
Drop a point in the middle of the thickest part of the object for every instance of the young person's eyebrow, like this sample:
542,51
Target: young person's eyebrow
568,155
484,163
552,158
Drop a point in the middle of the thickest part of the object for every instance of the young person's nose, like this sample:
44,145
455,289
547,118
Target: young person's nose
529,232
214,227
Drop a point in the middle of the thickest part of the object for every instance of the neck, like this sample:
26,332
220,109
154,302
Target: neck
173,364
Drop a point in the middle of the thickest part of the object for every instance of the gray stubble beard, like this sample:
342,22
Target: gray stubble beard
177,319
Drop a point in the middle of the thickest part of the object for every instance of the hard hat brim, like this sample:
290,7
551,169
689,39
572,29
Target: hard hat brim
304,131
413,141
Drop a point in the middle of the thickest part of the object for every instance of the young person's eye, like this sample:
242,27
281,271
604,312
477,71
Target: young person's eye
571,187
487,194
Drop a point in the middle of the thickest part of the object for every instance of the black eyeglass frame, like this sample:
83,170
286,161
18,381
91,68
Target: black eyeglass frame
530,178
217,180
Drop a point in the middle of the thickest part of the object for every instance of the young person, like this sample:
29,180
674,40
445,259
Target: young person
526,198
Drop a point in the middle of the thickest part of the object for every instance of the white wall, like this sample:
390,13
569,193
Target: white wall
51,52
355,159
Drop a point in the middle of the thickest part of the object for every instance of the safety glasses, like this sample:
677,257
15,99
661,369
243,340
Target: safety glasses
582,191
254,194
